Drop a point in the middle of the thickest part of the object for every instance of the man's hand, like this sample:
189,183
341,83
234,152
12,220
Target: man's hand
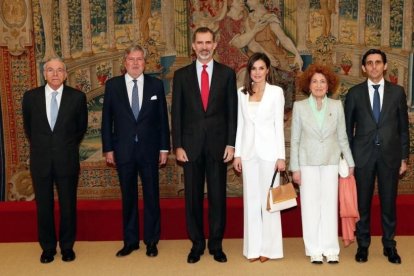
403,167
181,155
228,154
163,158
109,158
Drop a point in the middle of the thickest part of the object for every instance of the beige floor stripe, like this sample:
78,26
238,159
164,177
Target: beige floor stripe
98,259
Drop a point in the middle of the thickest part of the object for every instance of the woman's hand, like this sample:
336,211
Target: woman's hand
237,164
280,165
296,177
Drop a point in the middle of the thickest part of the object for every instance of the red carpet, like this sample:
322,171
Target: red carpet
101,220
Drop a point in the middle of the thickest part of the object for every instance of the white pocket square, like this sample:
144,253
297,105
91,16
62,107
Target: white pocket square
153,97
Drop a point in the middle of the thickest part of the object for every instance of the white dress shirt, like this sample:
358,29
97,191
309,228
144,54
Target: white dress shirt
130,84
48,96
209,70
372,90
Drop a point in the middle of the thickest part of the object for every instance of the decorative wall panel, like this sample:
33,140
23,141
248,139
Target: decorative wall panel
90,36
396,23
373,22
348,21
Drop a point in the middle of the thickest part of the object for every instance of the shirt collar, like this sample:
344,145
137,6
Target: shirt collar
128,78
312,99
200,65
49,89
371,83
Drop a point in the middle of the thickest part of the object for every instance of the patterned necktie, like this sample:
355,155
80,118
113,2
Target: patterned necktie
205,87
53,110
376,105
135,100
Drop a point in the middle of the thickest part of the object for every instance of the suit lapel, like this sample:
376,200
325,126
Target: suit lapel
310,117
329,121
65,103
386,101
215,80
193,81
366,100
41,106
123,95
146,97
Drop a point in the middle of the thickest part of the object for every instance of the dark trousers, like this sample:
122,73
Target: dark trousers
128,178
196,172
66,190
387,189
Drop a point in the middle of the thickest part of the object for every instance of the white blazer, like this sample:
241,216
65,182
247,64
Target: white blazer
311,145
263,135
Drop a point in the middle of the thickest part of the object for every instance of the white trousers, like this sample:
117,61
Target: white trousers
319,207
262,229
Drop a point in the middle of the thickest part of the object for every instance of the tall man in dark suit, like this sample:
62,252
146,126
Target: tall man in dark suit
136,138
204,121
55,118
377,127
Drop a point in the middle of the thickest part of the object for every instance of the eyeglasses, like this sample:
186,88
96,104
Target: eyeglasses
132,60
55,71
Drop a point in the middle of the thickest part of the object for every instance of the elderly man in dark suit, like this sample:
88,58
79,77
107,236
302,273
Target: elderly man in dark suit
136,139
204,122
55,118
377,127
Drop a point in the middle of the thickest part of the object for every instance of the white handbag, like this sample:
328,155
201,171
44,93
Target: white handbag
343,167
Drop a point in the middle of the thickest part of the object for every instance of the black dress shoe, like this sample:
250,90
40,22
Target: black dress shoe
219,255
126,250
193,257
152,250
68,255
47,256
391,253
362,254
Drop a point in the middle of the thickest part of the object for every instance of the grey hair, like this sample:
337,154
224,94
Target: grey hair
54,59
134,48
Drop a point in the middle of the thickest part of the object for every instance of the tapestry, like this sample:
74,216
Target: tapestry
91,35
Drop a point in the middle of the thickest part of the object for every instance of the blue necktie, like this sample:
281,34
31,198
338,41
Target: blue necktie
53,110
135,100
376,105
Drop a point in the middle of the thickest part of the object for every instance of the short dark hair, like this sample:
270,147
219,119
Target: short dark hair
374,51
248,88
204,30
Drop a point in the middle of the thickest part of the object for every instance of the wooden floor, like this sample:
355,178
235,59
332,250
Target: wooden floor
98,259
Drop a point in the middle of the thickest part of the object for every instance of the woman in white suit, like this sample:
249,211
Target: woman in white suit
260,150
318,137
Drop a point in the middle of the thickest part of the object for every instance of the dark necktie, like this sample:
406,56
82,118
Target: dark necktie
53,110
135,100
376,104
205,87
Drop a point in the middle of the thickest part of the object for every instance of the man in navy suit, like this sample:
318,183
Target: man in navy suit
55,118
204,122
136,139
377,127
